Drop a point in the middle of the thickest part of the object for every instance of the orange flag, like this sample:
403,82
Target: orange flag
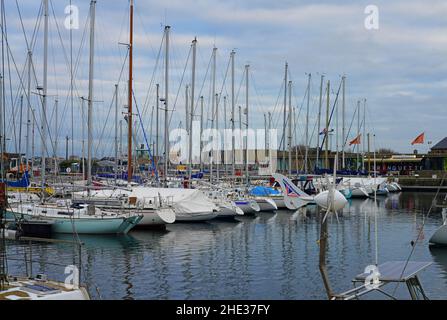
419,140
357,140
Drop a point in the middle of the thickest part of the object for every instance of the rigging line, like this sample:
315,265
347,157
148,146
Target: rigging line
180,87
419,237
204,81
157,61
332,114
154,167
22,84
111,104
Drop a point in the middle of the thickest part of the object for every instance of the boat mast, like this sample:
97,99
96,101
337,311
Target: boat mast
358,135
187,109
116,132
129,116
157,126
213,110
28,120
193,85
285,114
90,93
364,135
44,97
167,28
247,177
326,152
56,111
306,158
289,143
201,130
218,153
319,122
233,152
343,124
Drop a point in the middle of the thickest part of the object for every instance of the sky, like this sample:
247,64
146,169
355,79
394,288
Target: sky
399,68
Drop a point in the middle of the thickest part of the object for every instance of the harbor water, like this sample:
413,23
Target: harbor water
268,256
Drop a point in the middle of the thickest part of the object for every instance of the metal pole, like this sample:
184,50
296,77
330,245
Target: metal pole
193,85
326,152
233,152
319,123
201,131
44,104
306,160
56,105
130,102
167,28
218,153
344,124
157,126
289,143
90,93
285,115
116,132
358,135
247,177
213,110
364,134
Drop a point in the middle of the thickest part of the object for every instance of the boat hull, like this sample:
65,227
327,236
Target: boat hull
439,238
249,207
266,205
195,217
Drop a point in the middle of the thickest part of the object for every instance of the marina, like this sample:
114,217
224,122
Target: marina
269,256
140,162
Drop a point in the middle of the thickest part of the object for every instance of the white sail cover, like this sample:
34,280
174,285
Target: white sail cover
184,200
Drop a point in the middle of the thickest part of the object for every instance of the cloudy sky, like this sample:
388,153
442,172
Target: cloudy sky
401,68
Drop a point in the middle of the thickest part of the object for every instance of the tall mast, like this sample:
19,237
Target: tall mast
45,90
213,110
306,158
157,126
167,28
343,164
326,152
247,178
28,120
193,85
83,137
56,107
285,113
289,143
130,112
201,130
233,155
90,92
364,135
358,135
71,84
116,132
187,108
319,122
218,153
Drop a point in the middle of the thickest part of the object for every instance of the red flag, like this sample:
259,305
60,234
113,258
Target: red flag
419,140
357,140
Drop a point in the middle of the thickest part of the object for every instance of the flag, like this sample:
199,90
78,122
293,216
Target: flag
324,132
419,140
357,140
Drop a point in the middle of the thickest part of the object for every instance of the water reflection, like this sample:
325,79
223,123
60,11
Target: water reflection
269,256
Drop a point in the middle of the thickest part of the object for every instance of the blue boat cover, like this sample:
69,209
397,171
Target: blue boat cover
264,191
22,183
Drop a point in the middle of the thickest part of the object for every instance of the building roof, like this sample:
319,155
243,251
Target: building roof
442,145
